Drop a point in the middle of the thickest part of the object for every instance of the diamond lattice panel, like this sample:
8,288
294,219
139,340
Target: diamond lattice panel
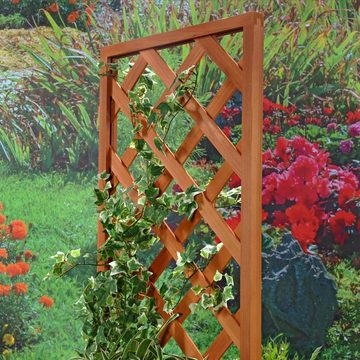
242,244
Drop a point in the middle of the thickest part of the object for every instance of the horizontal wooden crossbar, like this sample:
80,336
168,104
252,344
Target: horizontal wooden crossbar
179,37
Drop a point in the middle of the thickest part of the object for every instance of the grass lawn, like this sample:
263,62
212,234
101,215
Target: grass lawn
63,216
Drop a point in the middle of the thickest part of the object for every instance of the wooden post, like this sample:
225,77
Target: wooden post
104,136
251,218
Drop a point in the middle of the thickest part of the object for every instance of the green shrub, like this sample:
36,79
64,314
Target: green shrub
14,21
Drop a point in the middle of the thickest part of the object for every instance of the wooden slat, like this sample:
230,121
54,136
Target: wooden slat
179,37
250,284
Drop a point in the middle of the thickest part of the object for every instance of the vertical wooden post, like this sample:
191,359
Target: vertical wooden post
251,217
104,135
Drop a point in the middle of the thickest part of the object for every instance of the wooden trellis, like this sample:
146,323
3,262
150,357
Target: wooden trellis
244,159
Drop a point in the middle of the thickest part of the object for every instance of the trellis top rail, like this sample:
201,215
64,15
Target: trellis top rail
179,37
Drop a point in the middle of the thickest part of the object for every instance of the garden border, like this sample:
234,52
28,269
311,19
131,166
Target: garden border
244,159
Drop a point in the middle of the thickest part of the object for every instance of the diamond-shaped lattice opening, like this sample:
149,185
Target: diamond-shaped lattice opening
202,327
172,289
124,133
232,353
176,55
204,162
172,348
229,119
211,79
158,86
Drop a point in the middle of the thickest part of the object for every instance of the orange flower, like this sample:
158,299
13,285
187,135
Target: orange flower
1,206
28,254
72,2
13,270
18,230
24,267
15,2
2,219
54,7
2,268
73,16
5,290
20,288
46,301
3,253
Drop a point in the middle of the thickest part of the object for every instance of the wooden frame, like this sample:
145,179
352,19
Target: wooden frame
243,328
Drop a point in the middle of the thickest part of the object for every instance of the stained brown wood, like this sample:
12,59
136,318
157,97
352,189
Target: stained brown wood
243,244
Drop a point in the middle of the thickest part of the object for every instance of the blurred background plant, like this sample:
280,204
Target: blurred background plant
48,115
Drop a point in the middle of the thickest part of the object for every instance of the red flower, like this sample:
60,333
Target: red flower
2,219
2,268
46,301
304,224
13,270
280,219
3,253
227,131
15,2
281,149
28,254
328,111
234,181
352,117
339,224
20,288
25,267
73,16
232,222
323,188
304,168
5,290
72,2
54,7
18,230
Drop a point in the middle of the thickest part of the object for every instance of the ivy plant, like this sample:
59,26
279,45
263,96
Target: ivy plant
119,314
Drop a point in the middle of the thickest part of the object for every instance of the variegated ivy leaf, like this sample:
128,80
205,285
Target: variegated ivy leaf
218,276
197,289
208,251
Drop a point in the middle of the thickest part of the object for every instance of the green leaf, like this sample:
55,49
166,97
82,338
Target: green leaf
218,276
159,144
75,253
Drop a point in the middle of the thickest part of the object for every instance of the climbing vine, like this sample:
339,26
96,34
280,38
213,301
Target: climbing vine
120,316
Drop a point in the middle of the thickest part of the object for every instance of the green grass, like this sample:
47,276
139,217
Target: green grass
63,216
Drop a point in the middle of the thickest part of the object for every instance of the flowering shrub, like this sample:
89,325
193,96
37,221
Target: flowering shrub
18,298
73,11
305,193
336,130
